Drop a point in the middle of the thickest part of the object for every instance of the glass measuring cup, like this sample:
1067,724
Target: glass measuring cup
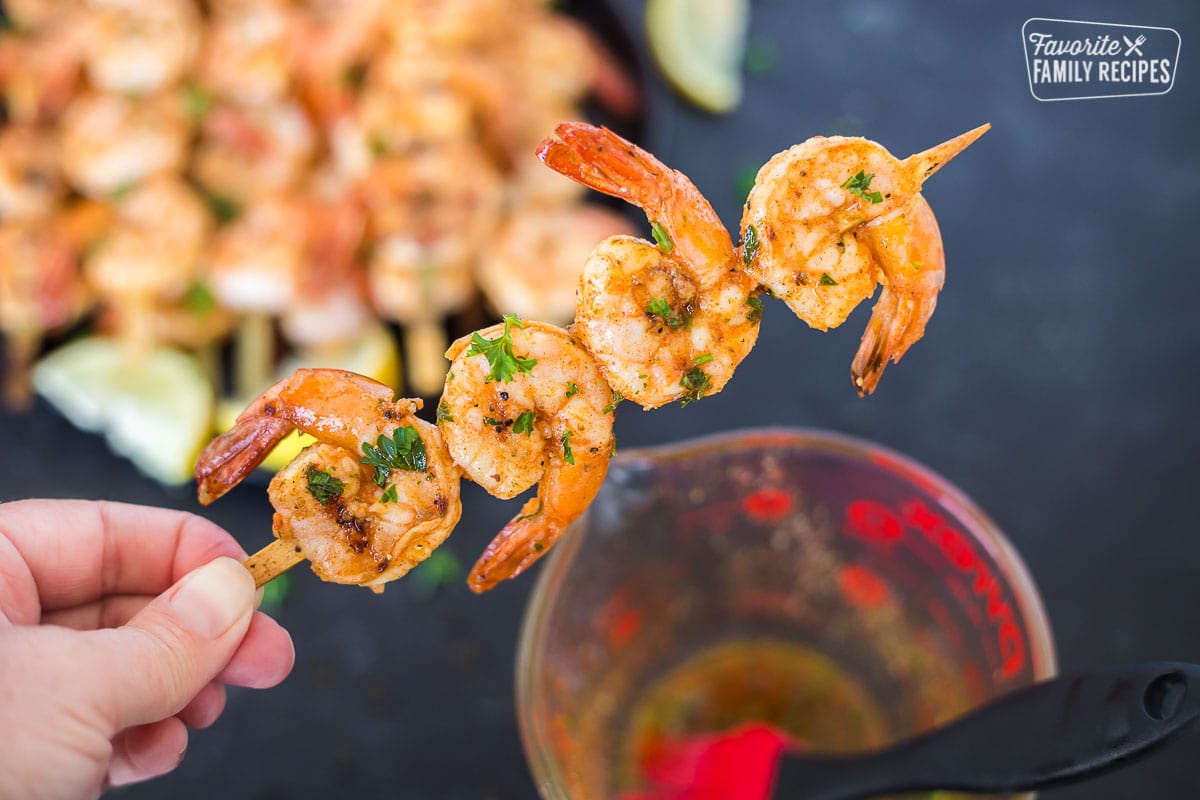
810,580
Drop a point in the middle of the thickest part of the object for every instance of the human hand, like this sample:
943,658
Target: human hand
100,674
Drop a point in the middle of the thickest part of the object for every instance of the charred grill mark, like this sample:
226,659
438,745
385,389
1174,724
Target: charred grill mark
353,528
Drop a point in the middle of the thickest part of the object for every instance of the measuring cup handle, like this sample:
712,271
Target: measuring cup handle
1060,731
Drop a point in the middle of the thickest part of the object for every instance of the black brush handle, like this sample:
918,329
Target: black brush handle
1063,730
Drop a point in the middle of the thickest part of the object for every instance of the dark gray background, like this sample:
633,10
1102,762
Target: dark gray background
1057,385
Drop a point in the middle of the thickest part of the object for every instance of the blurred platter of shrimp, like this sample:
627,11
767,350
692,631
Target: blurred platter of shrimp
209,194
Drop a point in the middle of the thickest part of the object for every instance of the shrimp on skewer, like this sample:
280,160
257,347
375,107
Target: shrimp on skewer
524,404
907,248
363,521
806,226
666,322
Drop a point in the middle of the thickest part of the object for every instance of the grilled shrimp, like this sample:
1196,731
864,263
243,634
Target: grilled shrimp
359,520
110,142
30,183
136,47
666,322
805,224
532,267
525,403
907,249
251,151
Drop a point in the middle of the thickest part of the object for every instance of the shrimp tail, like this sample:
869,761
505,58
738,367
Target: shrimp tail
233,455
897,322
927,162
525,539
604,161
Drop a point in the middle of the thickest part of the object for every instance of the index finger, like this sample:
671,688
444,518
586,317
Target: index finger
76,551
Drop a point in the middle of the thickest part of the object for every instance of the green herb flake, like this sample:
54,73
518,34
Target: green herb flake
827,280
756,306
224,209
121,191
703,358
538,547
696,381
572,388
442,568
196,101
354,75
568,456
617,399
659,307
916,265
761,56
524,423
275,592
493,421
499,353
389,495
323,486
443,413
749,245
404,450
857,185
744,181
661,237
198,298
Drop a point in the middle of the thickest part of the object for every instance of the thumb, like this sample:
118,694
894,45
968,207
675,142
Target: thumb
153,666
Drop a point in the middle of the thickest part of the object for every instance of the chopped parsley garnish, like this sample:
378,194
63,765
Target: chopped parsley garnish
617,399
538,547
524,423
198,298
857,185
659,307
827,280
696,381
389,495
404,450
196,101
323,486
661,237
703,358
749,245
499,353
916,265
755,303
224,209
499,423
568,456
572,388
443,413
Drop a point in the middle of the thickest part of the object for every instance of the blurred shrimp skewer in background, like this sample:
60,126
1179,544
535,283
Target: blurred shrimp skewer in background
149,256
430,212
829,219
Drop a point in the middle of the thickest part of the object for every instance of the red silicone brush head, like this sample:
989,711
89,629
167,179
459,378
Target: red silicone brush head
740,764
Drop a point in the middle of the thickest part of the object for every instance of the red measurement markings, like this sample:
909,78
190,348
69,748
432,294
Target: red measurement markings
767,505
957,549
873,521
862,587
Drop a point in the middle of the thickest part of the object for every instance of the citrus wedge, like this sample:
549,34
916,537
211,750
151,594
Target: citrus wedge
373,353
156,411
699,45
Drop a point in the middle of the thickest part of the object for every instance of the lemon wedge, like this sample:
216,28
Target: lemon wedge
699,45
373,353
156,411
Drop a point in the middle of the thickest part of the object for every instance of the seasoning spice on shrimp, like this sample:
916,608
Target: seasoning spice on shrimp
528,403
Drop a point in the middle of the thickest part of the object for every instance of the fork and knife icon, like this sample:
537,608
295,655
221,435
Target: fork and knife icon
1134,46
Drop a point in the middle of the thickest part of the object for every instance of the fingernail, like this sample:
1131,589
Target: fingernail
212,598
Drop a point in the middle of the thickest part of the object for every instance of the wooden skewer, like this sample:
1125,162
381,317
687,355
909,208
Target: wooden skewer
930,161
272,561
